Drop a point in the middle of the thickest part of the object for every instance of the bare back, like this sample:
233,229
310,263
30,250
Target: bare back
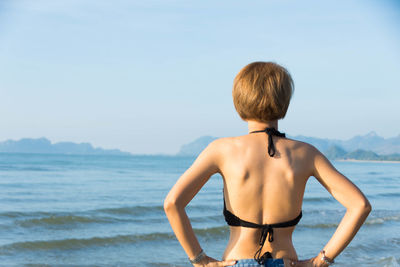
263,190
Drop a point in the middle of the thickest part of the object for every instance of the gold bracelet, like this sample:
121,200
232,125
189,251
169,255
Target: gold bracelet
198,258
325,259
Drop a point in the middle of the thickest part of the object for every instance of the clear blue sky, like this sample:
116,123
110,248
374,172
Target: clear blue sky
149,76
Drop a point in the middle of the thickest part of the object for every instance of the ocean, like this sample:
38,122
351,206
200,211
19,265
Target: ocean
70,210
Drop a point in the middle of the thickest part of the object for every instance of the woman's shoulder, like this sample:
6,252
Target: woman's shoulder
228,145
225,142
303,148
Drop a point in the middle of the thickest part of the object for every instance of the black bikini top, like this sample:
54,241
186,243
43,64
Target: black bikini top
267,229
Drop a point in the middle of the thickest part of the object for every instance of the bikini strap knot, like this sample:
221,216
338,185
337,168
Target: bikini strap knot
270,132
267,231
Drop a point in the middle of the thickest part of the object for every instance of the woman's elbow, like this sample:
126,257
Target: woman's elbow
169,204
364,207
367,208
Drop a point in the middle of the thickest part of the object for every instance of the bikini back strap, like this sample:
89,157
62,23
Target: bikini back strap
267,230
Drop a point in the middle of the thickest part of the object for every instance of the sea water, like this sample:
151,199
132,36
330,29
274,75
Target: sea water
69,210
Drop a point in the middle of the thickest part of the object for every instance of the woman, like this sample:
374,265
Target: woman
264,175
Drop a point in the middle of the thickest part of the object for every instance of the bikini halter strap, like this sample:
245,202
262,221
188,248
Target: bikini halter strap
270,132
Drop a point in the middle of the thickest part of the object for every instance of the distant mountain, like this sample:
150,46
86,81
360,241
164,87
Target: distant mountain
362,154
359,154
367,147
370,141
335,152
44,146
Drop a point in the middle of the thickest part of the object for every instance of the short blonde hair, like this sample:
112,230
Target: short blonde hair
262,91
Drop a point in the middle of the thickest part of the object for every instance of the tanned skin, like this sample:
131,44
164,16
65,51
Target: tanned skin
264,190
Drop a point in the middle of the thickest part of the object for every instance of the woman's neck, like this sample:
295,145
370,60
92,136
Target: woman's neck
257,125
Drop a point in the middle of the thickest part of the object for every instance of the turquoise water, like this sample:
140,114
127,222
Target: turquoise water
58,210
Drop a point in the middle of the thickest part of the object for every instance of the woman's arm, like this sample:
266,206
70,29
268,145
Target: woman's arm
187,186
344,191
356,204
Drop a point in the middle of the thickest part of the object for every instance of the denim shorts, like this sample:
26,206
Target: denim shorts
254,263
